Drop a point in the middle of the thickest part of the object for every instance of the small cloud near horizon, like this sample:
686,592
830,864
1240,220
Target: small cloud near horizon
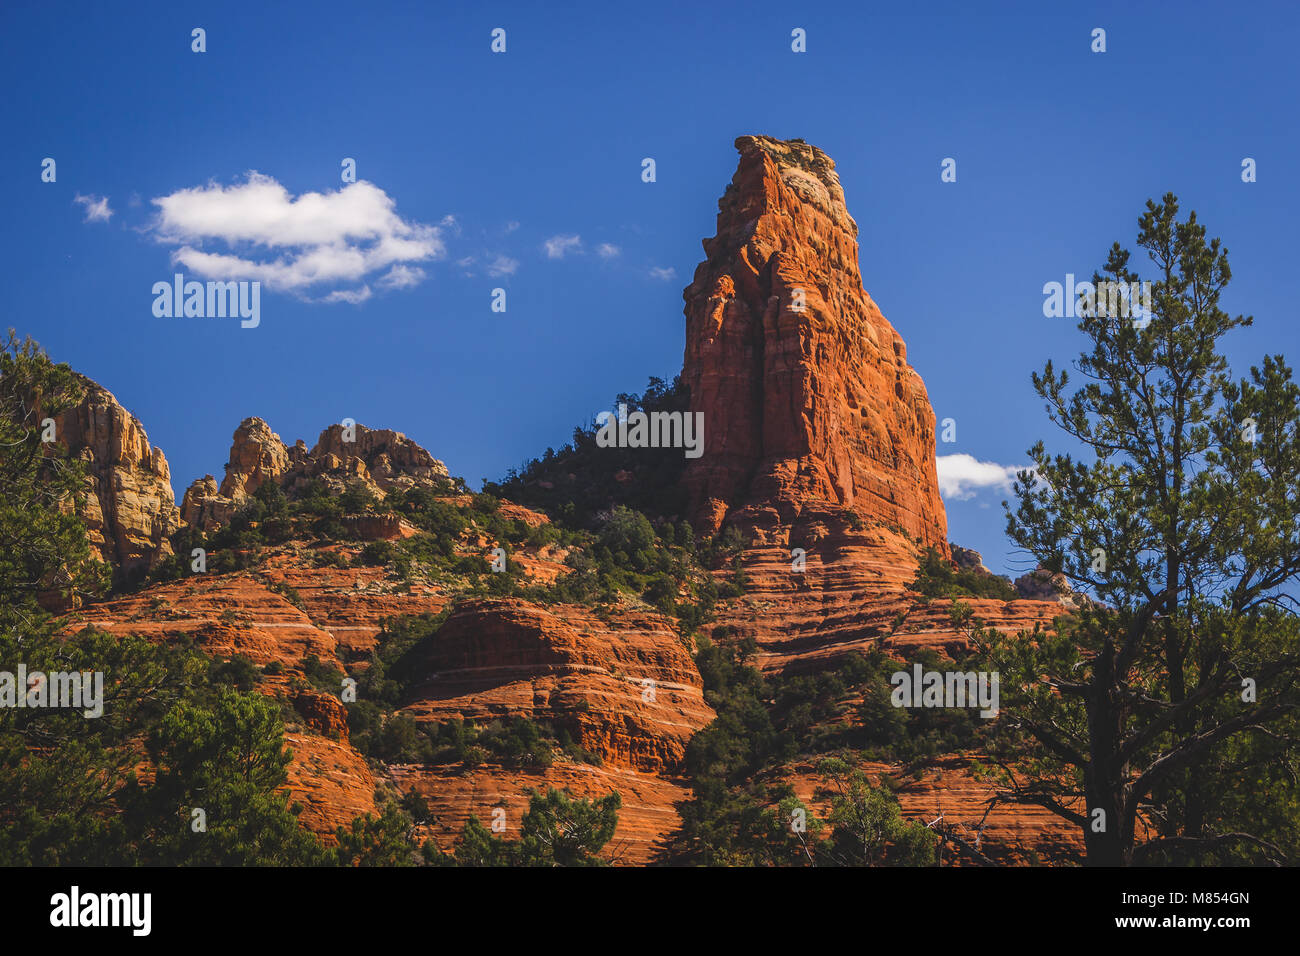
658,272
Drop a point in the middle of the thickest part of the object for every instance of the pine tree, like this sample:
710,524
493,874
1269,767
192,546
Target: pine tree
1153,713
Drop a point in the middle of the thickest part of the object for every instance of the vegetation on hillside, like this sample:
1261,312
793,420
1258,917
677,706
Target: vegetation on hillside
939,577
744,811
581,480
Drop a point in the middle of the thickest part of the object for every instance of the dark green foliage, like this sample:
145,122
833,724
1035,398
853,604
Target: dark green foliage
322,675
1184,521
628,555
736,817
239,672
77,800
555,831
575,501
377,553
386,840
867,827
227,759
356,498
938,577
512,742
43,547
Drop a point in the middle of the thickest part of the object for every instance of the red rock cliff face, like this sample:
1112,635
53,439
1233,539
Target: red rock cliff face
624,685
804,385
129,509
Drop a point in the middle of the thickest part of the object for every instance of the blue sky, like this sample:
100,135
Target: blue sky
1057,149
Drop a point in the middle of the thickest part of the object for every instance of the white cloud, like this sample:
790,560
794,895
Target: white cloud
502,266
351,296
558,246
607,250
511,226
660,273
296,244
960,476
96,207
402,277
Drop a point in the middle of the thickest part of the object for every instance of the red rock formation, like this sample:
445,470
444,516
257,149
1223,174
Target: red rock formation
384,459
818,437
331,780
504,658
804,385
379,459
239,613
322,713
818,445
645,819
256,456
130,509
852,595
1041,584
950,790
622,683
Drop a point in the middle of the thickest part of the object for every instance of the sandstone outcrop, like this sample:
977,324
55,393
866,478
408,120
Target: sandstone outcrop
378,459
336,620
322,713
204,507
129,509
1044,585
819,436
383,459
622,684
257,455
648,815
805,387
950,794
966,559
851,595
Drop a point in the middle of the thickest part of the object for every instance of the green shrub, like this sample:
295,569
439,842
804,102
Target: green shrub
938,577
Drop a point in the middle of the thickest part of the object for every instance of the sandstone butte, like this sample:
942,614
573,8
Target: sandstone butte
818,436
805,387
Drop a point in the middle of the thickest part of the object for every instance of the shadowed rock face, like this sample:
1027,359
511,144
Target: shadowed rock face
129,509
804,385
